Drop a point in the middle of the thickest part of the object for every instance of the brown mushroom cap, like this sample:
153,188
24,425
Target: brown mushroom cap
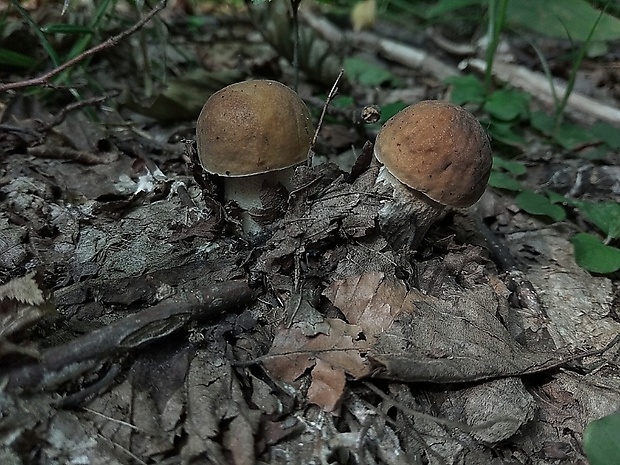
253,127
439,149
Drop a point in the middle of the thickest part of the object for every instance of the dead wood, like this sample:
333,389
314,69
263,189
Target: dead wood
67,361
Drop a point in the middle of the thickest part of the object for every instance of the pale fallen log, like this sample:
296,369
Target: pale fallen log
538,85
398,52
517,76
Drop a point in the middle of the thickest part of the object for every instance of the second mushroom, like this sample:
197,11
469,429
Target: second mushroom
434,154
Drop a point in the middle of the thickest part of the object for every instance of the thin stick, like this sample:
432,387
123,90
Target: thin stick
62,114
111,42
332,93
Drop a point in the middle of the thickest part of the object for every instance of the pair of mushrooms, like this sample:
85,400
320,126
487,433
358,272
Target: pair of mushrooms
434,154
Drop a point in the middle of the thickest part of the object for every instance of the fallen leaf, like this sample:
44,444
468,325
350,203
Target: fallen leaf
327,386
368,300
292,353
22,303
422,338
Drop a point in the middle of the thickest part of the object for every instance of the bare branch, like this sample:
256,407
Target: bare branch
111,42
64,362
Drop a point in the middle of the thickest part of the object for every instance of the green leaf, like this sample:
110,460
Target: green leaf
342,101
600,152
443,7
466,89
565,19
515,167
542,121
604,215
568,136
607,133
390,109
508,105
504,133
18,60
593,255
538,204
571,136
47,46
554,197
365,72
501,180
600,440
597,49
66,29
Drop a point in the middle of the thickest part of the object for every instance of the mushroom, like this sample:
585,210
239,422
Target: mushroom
251,133
434,154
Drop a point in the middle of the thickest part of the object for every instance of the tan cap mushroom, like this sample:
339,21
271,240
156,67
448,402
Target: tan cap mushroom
253,127
250,133
439,151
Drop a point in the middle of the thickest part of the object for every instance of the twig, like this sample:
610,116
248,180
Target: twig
111,42
65,153
62,114
332,93
65,362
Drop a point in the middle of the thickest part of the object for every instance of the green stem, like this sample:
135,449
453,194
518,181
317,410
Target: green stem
558,116
497,18
295,7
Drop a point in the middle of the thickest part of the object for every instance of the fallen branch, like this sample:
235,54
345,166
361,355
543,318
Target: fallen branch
66,362
537,85
398,52
62,114
111,42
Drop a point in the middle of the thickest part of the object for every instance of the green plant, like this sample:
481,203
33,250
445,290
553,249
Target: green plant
560,106
600,440
84,34
497,19
366,73
506,113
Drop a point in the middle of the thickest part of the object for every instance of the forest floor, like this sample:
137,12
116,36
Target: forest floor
138,325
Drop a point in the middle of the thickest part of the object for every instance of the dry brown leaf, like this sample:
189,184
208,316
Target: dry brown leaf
327,386
22,303
292,353
417,337
368,300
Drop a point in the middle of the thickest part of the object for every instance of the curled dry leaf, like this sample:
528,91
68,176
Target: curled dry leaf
22,302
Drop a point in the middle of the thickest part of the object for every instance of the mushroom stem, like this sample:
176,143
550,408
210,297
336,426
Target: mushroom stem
246,192
407,216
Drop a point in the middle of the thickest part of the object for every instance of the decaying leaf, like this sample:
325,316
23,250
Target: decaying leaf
369,300
417,337
22,302
23,290
340,349
327,385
